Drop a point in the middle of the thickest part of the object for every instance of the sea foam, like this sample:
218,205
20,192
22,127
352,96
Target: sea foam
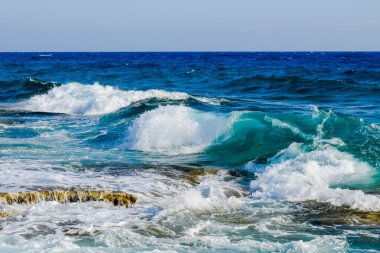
295,175
96,99
176,130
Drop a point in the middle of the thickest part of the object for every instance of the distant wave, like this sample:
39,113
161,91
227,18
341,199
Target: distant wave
96,99
294,84
367,74
24,88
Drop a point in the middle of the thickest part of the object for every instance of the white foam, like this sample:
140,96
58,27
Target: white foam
38,81
175,130
210,195
170,214
122,241
197,228
321,244
315,110
293,129
153,222
96,99
299,176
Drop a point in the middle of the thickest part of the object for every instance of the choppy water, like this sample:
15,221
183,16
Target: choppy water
294,139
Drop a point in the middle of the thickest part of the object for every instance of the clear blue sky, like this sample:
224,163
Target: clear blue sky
192,25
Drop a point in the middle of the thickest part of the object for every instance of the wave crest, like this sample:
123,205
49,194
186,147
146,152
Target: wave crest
14,90
298,176
175,130
96,99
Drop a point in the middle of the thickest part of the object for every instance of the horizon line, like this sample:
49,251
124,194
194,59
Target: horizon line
207,51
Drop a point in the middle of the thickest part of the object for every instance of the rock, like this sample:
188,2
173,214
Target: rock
329,215
5,214
195,173
68,196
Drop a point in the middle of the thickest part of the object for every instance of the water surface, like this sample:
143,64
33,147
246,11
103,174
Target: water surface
289,142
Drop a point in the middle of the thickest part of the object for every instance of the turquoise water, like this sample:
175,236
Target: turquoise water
290,140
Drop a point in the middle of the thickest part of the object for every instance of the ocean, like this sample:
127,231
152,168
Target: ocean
225,152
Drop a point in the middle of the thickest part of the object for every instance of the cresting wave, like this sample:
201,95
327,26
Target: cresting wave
14,90
296,175
176,130
96,99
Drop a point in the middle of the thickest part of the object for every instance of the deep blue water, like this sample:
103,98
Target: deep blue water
294,137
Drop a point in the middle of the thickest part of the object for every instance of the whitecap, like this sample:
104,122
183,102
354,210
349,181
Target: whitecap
96,99
176,130
295,175
293,129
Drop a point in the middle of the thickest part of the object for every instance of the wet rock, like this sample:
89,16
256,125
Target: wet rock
75,232
366,217
5,214
235,192
242,174
68,196
195,173
329,215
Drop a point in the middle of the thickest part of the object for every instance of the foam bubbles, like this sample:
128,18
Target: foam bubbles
96,99
299,176
293,129
176,130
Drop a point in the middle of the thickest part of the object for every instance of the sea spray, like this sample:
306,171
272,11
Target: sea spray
295,175
176,130
96,99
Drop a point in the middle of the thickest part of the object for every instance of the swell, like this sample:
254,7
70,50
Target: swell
294,157
258,136
15,90
233,139
300,85
362,74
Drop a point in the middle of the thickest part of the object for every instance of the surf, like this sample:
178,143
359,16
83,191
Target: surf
79,99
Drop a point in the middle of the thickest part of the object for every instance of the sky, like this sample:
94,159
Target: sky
192,25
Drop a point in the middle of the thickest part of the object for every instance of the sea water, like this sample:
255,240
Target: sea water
289,144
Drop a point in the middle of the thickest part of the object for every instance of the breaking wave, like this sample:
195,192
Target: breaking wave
296,175
96,99
176,130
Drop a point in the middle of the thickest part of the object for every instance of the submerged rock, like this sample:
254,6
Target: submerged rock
350,218
329,215
5,214
68,196
367,217
195,173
